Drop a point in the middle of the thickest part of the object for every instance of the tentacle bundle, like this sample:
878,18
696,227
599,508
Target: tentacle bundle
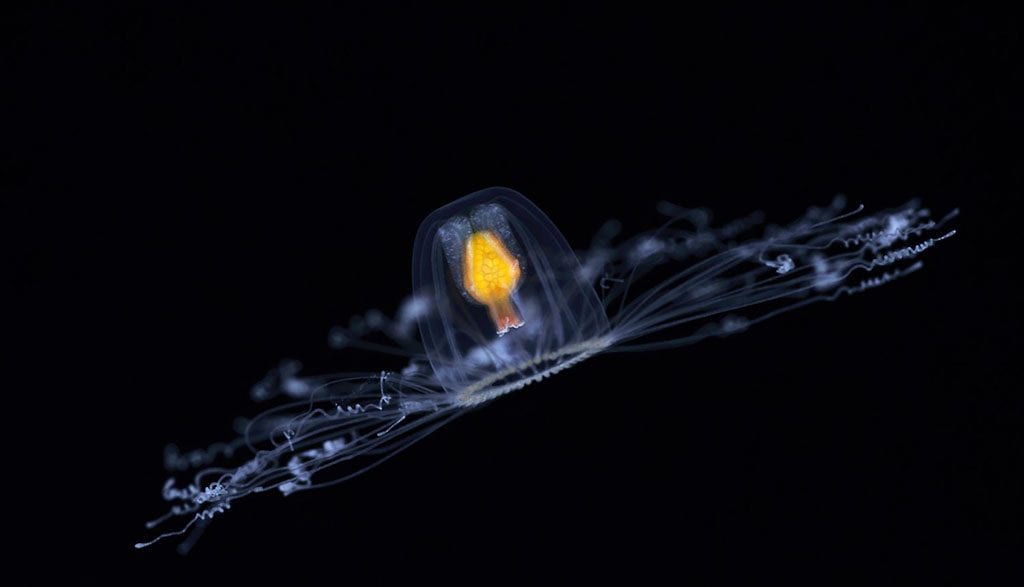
345,424
692,281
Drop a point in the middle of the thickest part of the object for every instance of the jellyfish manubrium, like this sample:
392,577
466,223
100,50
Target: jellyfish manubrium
500,300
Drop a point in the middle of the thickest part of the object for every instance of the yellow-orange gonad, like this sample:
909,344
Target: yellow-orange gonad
490,274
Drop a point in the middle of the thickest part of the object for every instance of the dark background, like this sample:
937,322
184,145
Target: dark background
191,195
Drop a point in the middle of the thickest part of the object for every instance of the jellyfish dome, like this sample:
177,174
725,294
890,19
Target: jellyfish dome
500,300
509,302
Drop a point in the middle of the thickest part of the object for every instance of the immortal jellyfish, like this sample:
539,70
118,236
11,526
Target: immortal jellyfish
500,300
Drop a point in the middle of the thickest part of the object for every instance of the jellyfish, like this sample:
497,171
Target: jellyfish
500,301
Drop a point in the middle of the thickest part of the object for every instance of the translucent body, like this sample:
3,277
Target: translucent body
500,301
562,318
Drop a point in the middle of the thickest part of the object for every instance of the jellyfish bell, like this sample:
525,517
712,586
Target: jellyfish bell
509,302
